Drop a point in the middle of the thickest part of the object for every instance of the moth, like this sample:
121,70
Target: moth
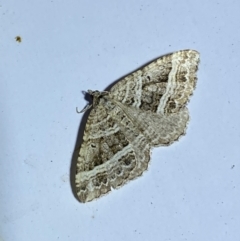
145,109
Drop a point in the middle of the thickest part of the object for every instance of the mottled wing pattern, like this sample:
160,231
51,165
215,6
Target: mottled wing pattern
163,86
159,129
112,153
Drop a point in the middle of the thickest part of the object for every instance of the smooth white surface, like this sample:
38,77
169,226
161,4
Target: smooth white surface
192,188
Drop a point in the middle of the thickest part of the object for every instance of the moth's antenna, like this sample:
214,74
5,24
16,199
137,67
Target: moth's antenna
87,107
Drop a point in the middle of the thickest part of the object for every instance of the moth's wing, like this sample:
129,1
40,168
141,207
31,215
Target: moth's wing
110,155
164,129
159,129
155,96
163,86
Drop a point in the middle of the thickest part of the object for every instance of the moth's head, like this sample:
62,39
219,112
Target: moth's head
97,96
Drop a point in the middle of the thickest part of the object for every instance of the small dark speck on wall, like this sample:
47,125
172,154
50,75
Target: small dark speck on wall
18,39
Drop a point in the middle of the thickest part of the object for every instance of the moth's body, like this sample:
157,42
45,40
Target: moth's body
144,110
